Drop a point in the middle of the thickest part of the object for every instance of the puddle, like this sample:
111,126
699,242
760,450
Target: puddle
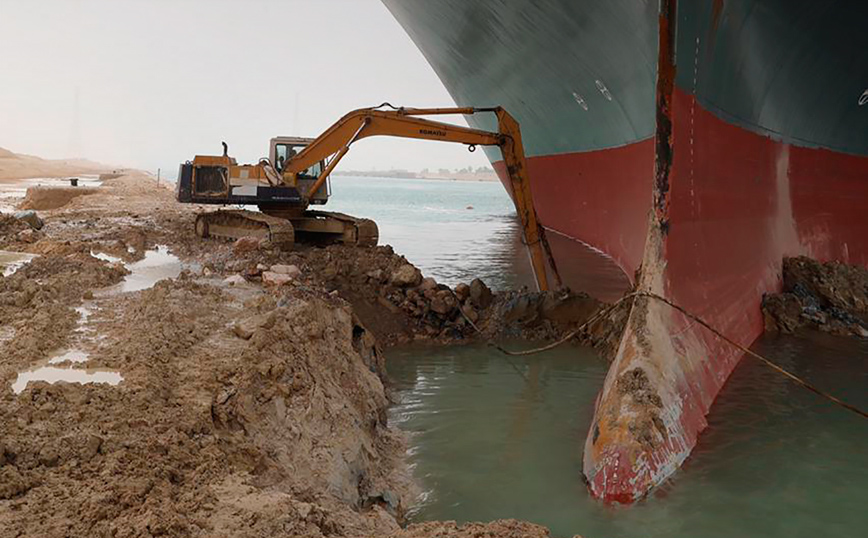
84,311
13,261
105,257
70,355
53,374
155,266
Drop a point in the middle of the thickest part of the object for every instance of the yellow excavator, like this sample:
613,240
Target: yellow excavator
295,176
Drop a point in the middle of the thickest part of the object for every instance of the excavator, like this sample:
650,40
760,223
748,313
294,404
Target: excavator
295,176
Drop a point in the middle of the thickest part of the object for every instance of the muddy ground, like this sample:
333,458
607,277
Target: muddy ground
248,407
830,297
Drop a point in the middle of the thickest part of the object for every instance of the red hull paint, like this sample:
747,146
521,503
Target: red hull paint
738,203
596,206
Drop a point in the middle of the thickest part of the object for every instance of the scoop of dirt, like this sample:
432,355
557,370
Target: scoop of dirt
830,297
52,197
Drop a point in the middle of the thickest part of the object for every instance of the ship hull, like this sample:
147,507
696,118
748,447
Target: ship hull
757,151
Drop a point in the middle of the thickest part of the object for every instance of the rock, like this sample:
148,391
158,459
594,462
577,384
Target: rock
480,294
290,270
462,291
388,305
245,328
234,280
376,275
470,312
304,509
439,306
12,483
245,245
91,447
207,272
48,456
31,218
427,284
270,278
406,276
28,235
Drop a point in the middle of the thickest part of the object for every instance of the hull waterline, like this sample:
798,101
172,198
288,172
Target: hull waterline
744,142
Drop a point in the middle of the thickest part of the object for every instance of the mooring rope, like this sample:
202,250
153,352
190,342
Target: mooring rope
793,377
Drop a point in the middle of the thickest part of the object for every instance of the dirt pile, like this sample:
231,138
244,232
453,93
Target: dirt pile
52,197
211,434
830,297
398,304
9,228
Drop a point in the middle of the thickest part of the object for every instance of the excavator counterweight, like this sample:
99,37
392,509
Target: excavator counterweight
296,173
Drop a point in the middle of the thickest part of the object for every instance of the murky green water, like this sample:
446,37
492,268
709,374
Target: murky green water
776,460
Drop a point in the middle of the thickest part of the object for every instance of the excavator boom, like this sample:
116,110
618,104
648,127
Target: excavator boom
335,142
285,185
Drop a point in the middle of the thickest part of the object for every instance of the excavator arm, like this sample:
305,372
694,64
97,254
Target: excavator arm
335,142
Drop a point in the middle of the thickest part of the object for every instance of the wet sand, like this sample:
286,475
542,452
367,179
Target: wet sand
152,384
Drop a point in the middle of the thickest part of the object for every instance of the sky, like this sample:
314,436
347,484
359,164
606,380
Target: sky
149,84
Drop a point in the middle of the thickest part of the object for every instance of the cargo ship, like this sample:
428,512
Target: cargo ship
682,147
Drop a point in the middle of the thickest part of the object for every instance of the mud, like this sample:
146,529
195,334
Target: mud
41,198
830,297
244,408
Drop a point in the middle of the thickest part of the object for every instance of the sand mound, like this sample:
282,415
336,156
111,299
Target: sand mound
42,198
18,166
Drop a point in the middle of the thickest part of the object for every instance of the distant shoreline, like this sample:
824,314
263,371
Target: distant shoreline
478,177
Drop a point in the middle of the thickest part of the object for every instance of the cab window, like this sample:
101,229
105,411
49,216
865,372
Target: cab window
287,151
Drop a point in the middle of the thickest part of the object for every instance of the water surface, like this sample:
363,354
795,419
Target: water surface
428,221
776,460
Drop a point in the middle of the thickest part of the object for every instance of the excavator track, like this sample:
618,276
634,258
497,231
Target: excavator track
360,232
236,223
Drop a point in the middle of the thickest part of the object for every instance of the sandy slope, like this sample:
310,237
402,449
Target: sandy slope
17,166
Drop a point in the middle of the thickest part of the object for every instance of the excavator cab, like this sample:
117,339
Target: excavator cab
284,148
209,179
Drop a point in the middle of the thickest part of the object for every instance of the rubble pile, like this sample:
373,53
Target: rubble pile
830,297
398,304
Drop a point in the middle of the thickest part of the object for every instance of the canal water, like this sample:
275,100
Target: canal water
453,231
775,461
486,443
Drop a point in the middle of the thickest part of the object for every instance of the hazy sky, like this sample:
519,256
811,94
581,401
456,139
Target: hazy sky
159,81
